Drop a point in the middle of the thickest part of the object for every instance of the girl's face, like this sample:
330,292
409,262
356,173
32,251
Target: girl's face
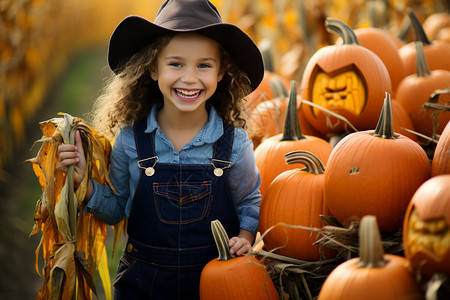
187,71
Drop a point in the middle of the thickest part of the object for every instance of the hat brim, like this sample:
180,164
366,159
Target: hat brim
134,33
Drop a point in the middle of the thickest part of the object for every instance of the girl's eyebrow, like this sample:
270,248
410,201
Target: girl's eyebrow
175,57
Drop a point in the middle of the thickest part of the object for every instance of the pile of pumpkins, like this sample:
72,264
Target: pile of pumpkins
355,142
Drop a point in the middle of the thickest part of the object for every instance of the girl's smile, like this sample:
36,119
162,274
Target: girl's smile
188,95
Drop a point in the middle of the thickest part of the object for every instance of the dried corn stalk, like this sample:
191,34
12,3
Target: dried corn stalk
72,241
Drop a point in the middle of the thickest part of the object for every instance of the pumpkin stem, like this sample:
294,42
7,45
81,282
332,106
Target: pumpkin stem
266,52
292,131
404,29
422,69
371,252
343,30
278,87
312,163
221,238
385,128
419,33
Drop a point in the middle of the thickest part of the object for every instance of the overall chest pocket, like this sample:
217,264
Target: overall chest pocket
182,203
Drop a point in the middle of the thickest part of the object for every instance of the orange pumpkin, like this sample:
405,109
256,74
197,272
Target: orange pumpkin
229,277
401,120
272,86
295,197
266,120
437,52
375,172
373,275
441,159
426,230
436,22
414,92
347,79
269,155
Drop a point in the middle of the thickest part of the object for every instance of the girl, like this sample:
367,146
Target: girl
181,157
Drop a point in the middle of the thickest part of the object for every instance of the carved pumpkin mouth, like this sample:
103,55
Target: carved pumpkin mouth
344,91
432,235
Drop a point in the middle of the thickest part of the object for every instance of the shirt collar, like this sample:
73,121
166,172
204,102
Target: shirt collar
212,131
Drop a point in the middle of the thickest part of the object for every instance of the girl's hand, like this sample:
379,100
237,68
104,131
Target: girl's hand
72,154
240,245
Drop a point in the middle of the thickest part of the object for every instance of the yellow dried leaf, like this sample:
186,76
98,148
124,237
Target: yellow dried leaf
105,277
64,260
62,215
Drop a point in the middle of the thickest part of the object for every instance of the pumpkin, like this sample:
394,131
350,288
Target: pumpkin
441,159
414,92
373,275
401,120
436,22
381,43
375,172
437,52
269,155
347,79
268,117
230,277
426,231
271,86
266,120
295,197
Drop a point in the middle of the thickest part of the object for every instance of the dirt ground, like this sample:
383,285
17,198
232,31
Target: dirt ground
20,192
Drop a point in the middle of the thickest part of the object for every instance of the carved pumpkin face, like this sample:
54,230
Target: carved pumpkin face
426,228
345,90
347,79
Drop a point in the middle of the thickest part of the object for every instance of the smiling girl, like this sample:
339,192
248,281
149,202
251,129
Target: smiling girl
181,157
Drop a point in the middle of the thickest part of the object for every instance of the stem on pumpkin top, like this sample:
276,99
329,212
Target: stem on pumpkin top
385,128
312,163
221,238
343,30
422,69
292,131
419,33
371,252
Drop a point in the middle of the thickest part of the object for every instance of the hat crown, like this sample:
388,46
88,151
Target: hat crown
187,14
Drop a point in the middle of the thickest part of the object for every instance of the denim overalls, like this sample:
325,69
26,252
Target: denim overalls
169,227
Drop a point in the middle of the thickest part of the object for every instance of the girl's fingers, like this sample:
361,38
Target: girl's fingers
78,143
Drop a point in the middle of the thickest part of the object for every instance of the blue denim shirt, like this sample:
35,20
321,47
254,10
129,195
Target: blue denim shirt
244,175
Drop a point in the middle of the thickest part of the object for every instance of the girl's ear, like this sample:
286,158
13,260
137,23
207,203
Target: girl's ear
220,75
153,74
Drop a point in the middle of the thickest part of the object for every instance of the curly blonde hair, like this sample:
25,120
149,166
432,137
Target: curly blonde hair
130,94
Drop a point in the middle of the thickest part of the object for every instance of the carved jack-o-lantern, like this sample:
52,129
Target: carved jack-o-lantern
344,91
426,227
347,79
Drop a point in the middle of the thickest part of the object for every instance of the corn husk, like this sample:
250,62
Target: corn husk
73,242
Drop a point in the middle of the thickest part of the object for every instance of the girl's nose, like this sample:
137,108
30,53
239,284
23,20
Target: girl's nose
189,76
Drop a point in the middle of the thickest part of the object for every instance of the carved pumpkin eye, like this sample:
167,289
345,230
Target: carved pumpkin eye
345,90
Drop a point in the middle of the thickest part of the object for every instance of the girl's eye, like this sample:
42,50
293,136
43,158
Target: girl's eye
174,64
202,66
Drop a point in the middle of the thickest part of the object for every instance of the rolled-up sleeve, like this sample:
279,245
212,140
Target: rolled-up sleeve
107,206
245,181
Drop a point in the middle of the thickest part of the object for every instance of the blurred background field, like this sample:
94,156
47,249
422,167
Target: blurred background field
53,59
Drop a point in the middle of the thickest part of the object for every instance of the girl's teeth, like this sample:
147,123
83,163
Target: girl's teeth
187,94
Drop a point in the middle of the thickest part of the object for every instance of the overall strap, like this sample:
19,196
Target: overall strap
144,141
223,147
